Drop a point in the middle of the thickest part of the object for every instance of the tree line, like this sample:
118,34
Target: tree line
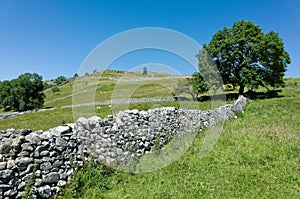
23,93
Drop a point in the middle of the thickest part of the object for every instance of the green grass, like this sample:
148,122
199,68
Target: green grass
256,156
39,121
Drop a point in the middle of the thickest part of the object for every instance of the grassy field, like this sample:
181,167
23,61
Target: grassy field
256,156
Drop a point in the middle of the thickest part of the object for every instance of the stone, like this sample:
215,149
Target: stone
33,138
53,154
38,182
23,162
45,191
11,193
27,177
38,173
4,187
3,165
46,166
10,164
21,186
62,129
51,178
6,175
24,132
44,153
6,146
61,183
60,142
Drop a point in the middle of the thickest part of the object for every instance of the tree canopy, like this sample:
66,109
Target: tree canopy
23,93
246,57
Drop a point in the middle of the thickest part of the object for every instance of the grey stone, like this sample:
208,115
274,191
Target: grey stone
60,142
61,183
11,164
46,166
38,182
33,138
11,193
5,147
4,187
6,175
51,178
3,165
38,173
27,177
45,191
21,186
23,162
45,153
53,154
24,132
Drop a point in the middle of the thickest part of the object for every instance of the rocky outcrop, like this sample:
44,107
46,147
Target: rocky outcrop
47,159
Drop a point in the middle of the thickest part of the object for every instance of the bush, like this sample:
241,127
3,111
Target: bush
55,89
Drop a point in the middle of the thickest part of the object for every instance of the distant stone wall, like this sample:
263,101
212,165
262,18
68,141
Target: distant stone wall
112,140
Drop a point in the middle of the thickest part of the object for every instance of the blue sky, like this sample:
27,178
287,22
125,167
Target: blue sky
53,37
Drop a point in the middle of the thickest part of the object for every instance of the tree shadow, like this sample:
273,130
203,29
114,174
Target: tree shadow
249,94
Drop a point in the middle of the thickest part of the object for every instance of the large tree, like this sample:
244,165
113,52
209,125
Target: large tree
22,93
246,57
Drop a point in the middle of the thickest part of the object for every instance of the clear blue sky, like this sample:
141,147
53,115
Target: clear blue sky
52,37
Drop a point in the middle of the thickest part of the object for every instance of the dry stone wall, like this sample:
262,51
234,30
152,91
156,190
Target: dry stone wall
48,158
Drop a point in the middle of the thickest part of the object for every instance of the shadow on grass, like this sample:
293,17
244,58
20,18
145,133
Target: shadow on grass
249,94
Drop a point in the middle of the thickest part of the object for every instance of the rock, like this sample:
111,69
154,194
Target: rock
23,162
46,166
27,147
38,182
44,153
6,146
11,193
11,164
24,132
21,186
33,138
6,175
45,191
60,130
3,165
61,183
51,178
60,142
4,187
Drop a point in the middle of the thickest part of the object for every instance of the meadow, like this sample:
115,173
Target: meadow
256,155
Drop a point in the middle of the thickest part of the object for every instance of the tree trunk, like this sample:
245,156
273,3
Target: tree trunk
194,96
241,89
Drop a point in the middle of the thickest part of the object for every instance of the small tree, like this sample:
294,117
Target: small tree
198,83
75,75
145,71
59,80
184,86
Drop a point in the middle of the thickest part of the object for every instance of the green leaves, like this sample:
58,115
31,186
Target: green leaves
245,56
23,93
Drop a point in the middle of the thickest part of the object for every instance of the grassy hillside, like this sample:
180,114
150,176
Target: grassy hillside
256,156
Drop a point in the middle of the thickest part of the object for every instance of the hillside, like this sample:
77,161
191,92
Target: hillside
256,156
